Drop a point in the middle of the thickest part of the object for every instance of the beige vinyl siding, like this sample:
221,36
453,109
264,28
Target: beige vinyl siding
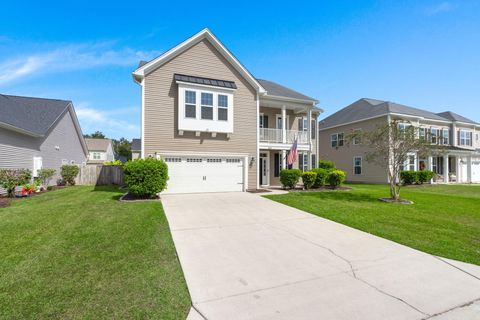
161,108
343,156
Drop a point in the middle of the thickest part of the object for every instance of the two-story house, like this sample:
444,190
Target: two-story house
99,150
217,126
454,155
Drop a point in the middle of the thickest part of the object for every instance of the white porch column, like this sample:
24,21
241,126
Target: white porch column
454,135
284,124
469,169
430,165
284,159
445,169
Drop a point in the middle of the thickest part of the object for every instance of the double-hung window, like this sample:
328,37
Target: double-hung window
190,104
434,135
445,136
465,138
207,106
222,107
96,156
303,161
334,140
422,134
340,139
314,129
357,165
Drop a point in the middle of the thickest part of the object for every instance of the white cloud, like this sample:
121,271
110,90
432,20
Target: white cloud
69,57
441,7
109,122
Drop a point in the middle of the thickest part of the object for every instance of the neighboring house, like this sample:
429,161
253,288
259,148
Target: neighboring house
38,133
455,153
136,148
218,127
99,150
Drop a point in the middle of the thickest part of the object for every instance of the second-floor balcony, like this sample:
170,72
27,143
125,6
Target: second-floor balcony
276,136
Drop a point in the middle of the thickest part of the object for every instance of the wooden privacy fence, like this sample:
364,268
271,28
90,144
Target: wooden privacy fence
100,175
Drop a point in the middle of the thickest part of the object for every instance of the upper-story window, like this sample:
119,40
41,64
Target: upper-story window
357,165
465,138
434,135
445,136
314,129
303,124
222,107
337,140
207,106
422,133
190,104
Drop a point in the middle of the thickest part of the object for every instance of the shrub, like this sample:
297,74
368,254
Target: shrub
145,177
113,163
425,176
409,177
309,178
326,164
69,173
290,177
45,175
50,188
336,178
11,178
321,177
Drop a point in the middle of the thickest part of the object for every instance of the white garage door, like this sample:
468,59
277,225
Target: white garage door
190,174
476,171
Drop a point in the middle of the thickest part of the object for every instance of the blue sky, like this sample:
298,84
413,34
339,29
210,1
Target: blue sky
420,53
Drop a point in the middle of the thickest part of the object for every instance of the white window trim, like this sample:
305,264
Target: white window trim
361,165
447,138
332,140
212,106
468,137
222,107
261,120
437,130
287,121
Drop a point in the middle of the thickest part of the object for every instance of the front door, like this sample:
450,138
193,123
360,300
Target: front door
264,169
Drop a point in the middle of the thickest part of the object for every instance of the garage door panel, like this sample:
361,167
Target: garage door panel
190,174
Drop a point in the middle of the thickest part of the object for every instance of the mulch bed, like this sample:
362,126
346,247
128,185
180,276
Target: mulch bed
258,190
390,200
128,197
4,202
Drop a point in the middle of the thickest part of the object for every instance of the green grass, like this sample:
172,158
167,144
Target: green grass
78,253
444,221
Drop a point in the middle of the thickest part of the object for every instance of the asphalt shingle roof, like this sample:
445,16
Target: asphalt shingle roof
275,89
366,108
205,81
97,144
136,144
35,115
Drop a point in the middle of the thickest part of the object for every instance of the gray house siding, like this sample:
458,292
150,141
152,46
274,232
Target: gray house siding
17,150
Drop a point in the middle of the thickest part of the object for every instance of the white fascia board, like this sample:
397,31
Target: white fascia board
283,146
311,103
204,34
19,130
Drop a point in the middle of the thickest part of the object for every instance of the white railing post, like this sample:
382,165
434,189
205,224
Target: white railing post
284,124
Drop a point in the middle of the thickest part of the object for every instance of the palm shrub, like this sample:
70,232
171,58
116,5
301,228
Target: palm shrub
12,178
321,177
425,176
336,178
326,164
145,178
309,178
290,177
45,175
69,172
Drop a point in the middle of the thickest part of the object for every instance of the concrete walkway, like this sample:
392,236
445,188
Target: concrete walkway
246,257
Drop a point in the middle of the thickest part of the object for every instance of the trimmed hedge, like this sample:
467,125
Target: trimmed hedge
321,177
416,177
309,178
326,164
69,172
290,177
145,178
336,178
425,176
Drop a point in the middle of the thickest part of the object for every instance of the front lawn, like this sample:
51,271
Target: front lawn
78,253
445,219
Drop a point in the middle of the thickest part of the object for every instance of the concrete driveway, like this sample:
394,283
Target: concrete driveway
246,257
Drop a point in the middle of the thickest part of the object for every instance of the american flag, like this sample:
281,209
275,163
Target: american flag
292,155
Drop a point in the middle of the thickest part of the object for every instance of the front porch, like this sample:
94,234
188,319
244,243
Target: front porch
273,161
451,168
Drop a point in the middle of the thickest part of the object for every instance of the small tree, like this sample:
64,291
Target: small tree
45,175
69,172
11,178
389,147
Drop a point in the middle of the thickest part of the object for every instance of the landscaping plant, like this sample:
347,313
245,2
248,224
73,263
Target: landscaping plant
409,177
145,178
336,178
308,178
45,175
12,178
425,176
321,177
69,172
326,164
290,177
113,163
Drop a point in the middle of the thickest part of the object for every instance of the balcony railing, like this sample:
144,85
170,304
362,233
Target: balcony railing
276,136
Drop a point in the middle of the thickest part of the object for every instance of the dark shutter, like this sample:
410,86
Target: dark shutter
300,124
265,121
314,161
300,161
276,166
314,129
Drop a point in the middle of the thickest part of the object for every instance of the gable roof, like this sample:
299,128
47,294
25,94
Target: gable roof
146,68
366,108
455,117
94,144
33,116
277,90
136,144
